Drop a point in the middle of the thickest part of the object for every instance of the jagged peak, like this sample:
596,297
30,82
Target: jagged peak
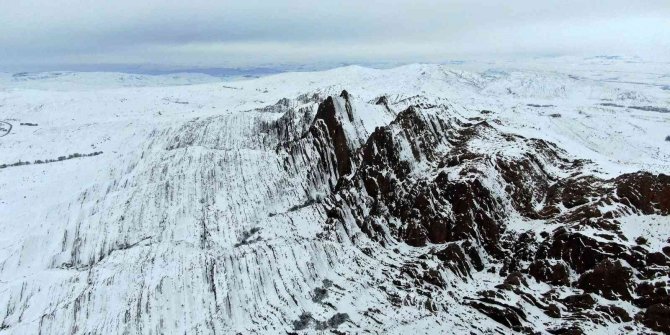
338,112
382,100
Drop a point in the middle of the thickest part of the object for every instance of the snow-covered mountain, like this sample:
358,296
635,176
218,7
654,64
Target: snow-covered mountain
419,199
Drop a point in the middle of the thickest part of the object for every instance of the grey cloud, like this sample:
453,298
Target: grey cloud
215,33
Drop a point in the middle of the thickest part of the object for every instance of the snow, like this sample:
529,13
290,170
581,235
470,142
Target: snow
654,228
150,231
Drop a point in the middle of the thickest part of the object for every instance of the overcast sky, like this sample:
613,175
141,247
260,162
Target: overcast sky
207,33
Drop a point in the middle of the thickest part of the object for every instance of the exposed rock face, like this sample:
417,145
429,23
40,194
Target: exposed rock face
657,317
645,192
424,180
328,119
609,279
555,274
315,214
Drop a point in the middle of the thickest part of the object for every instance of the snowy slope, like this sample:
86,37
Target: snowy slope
210,208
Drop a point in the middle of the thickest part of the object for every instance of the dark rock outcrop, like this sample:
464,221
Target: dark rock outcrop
657,317
422,181
609,279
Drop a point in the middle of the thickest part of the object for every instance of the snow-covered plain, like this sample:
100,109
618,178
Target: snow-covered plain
188,221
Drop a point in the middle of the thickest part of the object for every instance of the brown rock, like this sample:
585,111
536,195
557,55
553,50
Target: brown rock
657,317
646,192
617,314
609,279
579,302
556,274
515,279
570,330
650,293
656,258
504,314
553,311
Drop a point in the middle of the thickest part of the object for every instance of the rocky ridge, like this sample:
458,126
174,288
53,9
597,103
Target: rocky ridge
427,181
422,200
